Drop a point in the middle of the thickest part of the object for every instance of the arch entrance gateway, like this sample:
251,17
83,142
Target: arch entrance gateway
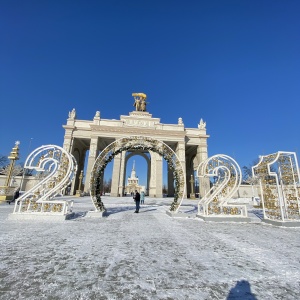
137,143
86,139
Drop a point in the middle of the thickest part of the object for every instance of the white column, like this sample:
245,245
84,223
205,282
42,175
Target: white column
159,176
204,185
122,183
91,160
171,189
68,146
180,152
116,176
148,177
152,188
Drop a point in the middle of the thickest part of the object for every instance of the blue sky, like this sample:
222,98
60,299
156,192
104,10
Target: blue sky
236,64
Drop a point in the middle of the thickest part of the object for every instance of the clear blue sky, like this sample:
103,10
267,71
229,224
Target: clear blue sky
236,64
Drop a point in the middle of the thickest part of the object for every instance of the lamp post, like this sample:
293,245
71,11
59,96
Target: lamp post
192,195
78,192
7,191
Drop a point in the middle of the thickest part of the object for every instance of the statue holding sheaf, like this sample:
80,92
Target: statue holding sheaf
202,124
72,114
139,101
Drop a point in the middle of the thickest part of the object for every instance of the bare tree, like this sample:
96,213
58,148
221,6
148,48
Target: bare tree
3,161
247,172
106,185
248,178
17,170
164,189
4,164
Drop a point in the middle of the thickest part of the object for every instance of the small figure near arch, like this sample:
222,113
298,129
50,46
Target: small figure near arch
137,199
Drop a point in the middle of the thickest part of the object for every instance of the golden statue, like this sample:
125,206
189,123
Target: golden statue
139,101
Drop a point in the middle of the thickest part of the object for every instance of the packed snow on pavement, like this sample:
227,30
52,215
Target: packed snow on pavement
148,255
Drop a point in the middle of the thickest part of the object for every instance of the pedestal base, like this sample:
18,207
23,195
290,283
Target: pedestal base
224,219
4,198
6,193
282,223
95,214
78,193
40,216
178,214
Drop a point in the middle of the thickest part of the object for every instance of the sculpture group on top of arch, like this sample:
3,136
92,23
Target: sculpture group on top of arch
278,176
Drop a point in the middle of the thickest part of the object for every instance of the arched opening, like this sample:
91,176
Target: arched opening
137,163
75,183
135,143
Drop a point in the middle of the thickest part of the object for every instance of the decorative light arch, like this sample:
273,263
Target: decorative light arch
137,143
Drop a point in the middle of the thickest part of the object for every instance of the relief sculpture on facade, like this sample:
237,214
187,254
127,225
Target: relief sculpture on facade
142,123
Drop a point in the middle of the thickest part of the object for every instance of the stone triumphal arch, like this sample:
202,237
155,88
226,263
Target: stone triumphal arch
86,139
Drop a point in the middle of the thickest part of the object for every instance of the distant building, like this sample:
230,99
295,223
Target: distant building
133,183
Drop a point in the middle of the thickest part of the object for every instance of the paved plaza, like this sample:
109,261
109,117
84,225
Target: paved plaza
149,255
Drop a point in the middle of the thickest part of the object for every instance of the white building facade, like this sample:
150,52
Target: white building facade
90,137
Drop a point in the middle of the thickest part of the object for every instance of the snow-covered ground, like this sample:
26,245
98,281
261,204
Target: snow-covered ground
146,256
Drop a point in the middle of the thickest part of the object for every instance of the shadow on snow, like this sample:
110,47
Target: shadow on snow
241,291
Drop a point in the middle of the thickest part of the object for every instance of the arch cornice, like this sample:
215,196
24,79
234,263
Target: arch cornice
129,130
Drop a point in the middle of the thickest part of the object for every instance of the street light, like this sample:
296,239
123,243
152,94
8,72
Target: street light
29,146
14,155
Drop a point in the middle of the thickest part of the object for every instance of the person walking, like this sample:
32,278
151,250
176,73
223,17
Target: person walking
15,196
142,197
137,199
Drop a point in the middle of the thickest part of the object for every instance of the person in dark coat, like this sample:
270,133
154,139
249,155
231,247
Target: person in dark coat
137,199
16,195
